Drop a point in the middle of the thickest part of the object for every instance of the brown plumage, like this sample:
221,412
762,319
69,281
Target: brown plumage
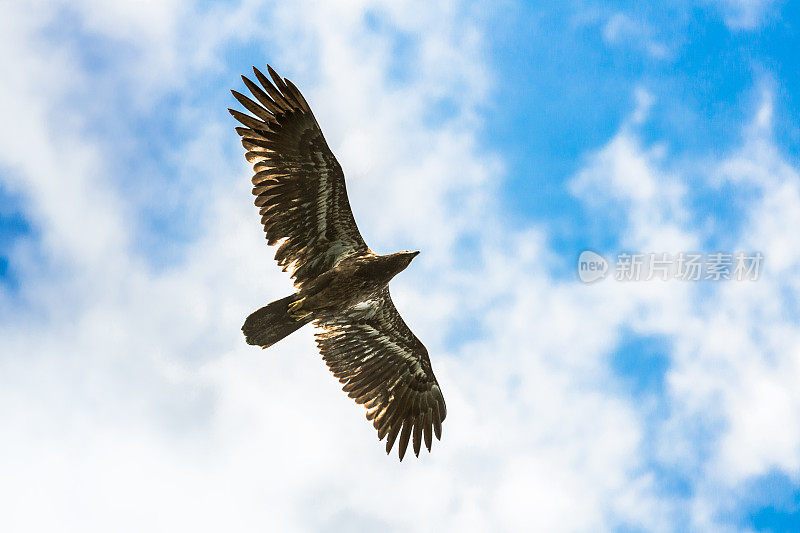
343,287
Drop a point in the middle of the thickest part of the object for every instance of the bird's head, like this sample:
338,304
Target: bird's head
409,255
402,259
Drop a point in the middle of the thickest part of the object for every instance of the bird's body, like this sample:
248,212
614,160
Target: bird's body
342,285
352,281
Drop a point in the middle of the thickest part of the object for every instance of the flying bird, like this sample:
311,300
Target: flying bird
342,285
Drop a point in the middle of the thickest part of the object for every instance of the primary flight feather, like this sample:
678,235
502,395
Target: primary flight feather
342,286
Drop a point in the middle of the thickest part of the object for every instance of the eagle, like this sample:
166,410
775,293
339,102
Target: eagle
342,285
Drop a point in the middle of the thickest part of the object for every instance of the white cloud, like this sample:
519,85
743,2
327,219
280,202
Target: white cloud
620,29
762,365
141,399
735,358
130,402
746,14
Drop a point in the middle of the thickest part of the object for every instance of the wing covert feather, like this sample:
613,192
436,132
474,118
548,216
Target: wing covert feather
298,183
383,365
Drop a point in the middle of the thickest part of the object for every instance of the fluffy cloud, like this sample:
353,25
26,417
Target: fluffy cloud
621,29
735,346
130,402
746,14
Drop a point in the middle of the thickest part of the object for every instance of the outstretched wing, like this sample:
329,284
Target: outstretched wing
298,184
384,366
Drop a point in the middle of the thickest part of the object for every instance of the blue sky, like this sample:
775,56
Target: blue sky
501,142
566,88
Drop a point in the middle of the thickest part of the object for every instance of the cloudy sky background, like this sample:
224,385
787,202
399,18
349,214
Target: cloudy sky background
501,142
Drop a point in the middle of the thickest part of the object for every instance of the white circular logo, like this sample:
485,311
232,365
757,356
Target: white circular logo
591,266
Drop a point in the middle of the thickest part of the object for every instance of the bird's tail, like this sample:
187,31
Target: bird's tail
275,321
